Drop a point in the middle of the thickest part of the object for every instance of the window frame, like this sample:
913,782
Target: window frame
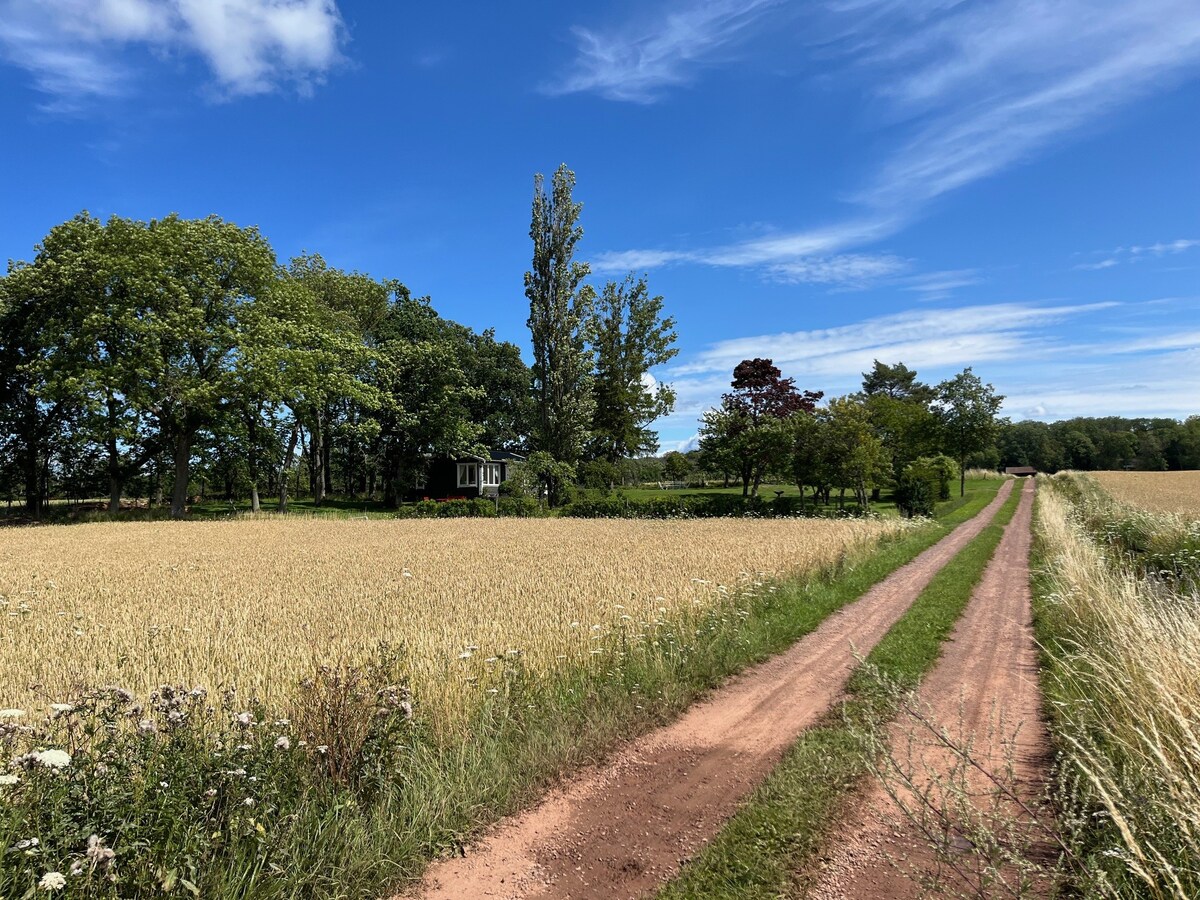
468,468
491,474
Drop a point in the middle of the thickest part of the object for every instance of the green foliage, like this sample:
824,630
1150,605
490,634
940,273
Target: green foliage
560,307
629,337
966,411
475,507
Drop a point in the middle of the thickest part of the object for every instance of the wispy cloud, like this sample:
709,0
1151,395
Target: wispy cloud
1139,253
639,61
78,50
922,337
974,89
811,256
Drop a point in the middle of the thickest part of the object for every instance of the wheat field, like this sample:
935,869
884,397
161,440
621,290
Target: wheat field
259,603
1172,492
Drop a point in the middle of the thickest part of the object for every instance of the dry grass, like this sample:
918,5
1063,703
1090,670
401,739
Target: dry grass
1124,688
259,603
1172,492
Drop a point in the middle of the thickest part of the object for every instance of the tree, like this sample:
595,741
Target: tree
897,382
966,409
559,307
761,392
629,337
676,466
899,411
854,454
749,433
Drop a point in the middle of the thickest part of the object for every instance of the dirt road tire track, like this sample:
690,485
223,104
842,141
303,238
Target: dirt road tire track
623,828
984,689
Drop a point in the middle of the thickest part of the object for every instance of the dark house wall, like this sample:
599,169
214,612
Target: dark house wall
442,481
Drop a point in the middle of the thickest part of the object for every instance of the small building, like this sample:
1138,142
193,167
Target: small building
1021,471
464,476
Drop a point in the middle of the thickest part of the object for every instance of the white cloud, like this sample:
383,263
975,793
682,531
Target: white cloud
637,62
1141,252
78,49
973,89
932,338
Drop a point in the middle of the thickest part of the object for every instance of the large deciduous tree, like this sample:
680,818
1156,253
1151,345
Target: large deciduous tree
559,306
966,409
629,337
750,431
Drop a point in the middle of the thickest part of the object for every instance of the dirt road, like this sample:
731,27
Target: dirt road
620,830
983,691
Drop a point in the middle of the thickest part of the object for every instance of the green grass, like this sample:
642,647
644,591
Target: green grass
777,833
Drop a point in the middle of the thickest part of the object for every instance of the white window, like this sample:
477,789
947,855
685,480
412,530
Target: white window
422,480
491,474
467,474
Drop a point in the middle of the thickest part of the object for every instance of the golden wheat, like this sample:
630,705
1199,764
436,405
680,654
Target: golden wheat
259,603
1173,492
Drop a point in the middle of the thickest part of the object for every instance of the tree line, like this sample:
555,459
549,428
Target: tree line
153,355
896,431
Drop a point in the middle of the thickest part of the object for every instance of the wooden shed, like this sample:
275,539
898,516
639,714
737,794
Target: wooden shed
1021,471
463,476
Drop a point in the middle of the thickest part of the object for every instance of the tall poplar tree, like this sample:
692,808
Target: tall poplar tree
559,307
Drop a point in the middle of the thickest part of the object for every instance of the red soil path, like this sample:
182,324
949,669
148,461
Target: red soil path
983,690
620,830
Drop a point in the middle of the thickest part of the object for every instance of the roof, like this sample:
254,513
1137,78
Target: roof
1020,470
493,456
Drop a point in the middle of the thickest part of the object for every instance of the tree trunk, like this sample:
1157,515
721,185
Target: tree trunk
33,494
283,468
316,459
962,478
252,462
183,458
115,488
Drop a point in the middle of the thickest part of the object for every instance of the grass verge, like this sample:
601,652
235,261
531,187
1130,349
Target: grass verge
783,824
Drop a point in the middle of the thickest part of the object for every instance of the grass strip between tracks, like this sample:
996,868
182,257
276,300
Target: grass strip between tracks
784,823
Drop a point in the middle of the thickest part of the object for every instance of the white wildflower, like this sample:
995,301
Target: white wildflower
283,743
9,779
53,759
53,881
245,720
11,713
249,801
61,709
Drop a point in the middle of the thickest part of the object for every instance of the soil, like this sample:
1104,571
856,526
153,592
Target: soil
622,829
982,693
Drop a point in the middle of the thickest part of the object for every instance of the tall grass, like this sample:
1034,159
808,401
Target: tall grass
1122,649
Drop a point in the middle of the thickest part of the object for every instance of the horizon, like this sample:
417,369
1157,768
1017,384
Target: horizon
966,192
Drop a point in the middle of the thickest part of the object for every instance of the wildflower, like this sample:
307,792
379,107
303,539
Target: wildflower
9,780
27,844
53,759
245,719
11,713
466,654
53,881
283,743
249,801
147,726
61,709
101,857
210,793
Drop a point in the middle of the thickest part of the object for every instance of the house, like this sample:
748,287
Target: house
1021,471
464,475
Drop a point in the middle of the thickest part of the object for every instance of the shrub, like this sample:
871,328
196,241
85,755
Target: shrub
914,496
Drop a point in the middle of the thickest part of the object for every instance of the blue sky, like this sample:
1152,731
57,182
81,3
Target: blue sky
1012,185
